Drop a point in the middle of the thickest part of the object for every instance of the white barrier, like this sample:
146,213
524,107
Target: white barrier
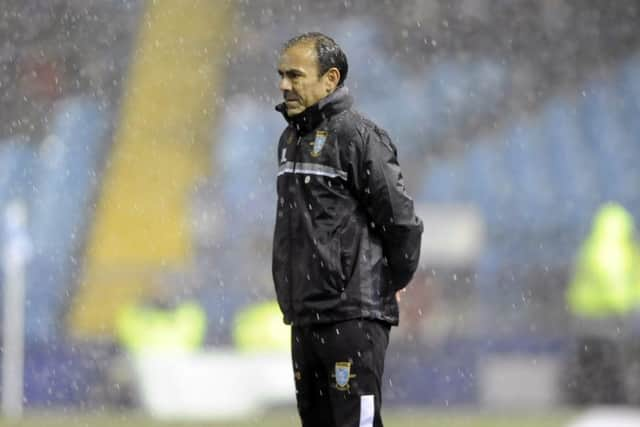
608,417
215,384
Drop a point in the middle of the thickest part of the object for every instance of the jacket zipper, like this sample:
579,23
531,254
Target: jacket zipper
295,160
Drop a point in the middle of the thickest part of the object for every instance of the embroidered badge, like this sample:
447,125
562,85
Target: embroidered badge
343,375
318,143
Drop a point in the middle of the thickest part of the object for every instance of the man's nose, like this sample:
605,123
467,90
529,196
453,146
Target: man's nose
285,84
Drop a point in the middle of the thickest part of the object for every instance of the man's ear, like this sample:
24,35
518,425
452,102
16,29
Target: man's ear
332,79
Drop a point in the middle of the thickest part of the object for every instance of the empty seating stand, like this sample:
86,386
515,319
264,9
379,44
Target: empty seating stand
539,180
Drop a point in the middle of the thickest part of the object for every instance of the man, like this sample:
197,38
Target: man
346,238
603,298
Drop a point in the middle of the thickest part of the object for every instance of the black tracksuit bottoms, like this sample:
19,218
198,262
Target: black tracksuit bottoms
338,372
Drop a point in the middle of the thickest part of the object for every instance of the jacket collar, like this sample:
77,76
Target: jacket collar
311,117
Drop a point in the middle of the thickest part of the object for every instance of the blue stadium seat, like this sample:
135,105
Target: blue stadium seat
66,175
488,86
459,90
574,175
601,111
403,115
491,82
16,160
488,184
628,87
447,90
246,165
368,74
533,194
445,183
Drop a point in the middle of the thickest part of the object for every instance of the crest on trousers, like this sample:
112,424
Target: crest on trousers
343,375
318,143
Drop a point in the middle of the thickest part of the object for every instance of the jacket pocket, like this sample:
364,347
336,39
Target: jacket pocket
350,239
326,267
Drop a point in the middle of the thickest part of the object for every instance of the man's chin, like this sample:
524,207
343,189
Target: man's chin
294,111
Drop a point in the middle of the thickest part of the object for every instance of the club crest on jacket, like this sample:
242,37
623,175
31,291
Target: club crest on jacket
318,143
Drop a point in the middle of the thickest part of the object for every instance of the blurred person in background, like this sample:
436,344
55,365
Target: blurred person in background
164,323
35,84
158,324
603,295
346,238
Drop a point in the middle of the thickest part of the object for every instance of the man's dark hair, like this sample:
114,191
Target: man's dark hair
329,53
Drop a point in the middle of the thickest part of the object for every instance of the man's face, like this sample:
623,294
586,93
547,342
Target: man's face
300,83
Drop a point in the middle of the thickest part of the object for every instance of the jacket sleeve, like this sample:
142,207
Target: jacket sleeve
380,187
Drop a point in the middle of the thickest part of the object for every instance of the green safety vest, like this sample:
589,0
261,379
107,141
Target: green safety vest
143,328
259,327
607,273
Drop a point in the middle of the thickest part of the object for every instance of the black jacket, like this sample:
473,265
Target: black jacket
346,235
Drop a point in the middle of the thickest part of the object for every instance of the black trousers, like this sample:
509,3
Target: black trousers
596,372
338,372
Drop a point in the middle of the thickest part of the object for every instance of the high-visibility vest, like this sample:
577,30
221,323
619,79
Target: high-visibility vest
259,327
607,272
142,328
